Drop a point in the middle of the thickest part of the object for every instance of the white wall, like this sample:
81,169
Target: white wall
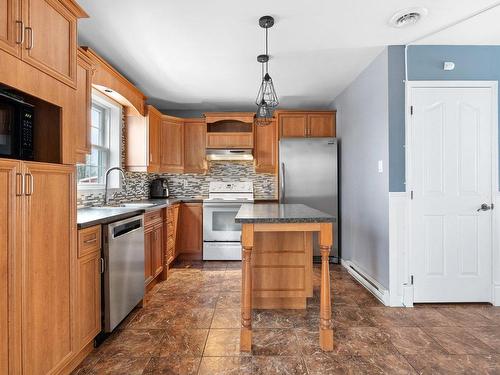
363,118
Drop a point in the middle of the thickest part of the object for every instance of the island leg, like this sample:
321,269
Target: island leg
325,327
246,288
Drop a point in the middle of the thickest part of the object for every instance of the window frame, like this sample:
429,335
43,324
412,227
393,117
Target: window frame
112,142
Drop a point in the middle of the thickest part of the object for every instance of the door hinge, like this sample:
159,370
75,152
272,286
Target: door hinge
411,279
411,194
411,110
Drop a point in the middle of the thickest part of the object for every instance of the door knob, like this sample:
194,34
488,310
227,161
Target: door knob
485,207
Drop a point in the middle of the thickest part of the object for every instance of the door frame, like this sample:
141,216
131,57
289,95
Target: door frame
495,253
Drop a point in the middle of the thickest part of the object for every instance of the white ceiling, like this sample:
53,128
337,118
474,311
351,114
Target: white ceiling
201,55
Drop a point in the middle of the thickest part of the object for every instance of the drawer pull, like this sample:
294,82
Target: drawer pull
90,241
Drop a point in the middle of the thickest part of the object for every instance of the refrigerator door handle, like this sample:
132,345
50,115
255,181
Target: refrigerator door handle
282,192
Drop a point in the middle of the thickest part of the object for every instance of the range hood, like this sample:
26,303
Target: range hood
226,154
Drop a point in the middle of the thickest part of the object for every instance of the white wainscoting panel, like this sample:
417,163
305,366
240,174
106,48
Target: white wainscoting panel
399,272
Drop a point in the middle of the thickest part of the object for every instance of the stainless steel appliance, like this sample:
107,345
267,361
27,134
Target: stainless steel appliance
221,235
308,175
123,278
16,127
159,188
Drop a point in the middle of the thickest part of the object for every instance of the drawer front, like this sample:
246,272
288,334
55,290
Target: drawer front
89,240
153,217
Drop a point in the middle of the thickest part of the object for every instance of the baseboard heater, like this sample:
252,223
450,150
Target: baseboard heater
369,283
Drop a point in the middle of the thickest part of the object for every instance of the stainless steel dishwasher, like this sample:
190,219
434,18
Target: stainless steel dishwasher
123,277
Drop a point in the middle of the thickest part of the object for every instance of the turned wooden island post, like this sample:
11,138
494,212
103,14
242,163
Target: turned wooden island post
280,219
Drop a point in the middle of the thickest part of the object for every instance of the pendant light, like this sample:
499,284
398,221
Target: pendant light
267,99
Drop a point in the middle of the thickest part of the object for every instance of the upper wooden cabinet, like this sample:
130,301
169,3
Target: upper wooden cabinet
195,131
172,144
11,26
83,99
142,141
50,39
266,148
294,124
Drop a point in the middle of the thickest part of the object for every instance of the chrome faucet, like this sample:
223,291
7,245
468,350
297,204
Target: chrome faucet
106,182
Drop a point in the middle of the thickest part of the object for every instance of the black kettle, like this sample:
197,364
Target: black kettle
159,188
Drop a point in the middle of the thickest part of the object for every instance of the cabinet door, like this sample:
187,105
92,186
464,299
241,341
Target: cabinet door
321,125
148,265
50,39
11,28
190,234
10,261
266,148
89,298
194,146
81,126
156,251
172,146
154,121
293,125
49,268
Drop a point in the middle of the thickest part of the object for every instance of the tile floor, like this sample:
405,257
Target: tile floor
190,326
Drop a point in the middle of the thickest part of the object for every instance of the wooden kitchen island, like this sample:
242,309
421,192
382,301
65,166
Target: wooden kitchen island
277,263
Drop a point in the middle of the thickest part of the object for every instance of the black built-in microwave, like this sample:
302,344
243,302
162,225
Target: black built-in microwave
16,127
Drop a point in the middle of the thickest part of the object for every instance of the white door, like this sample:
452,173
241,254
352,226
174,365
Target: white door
451,177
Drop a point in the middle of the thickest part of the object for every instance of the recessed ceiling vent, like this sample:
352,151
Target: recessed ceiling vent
407,17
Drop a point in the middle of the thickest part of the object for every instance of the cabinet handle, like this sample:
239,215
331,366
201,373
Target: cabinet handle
90,241
31,184
102,264
19,179
20,32
31,41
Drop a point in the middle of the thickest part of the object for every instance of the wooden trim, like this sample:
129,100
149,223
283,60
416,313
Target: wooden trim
74,8
236,116
106,76
289,227
77,359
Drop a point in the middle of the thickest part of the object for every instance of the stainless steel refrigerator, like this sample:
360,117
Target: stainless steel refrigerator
308,175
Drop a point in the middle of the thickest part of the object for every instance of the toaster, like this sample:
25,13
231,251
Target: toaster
159,188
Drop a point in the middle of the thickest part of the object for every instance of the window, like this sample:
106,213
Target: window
105,139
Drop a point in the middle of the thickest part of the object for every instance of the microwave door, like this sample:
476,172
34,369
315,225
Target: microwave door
7,113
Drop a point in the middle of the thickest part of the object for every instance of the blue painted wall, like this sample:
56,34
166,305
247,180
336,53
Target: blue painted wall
425,63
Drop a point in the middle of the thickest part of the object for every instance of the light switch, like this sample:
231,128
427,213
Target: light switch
380,166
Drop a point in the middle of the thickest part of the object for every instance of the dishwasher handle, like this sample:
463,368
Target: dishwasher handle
127,227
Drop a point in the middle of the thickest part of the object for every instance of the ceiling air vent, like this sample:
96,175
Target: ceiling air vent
407,17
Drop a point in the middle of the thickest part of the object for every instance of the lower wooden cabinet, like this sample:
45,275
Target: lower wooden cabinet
88,305
170,243
153,245
190,232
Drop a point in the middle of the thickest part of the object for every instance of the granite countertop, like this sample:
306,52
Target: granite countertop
281,213
90,216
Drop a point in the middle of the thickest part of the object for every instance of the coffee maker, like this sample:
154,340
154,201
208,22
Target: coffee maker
159,188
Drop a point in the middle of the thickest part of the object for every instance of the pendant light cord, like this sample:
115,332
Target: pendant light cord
267,53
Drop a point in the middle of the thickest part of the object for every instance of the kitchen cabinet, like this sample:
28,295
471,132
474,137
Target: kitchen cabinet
170,227
266,148
294,124
10,265
153,245
50,38
49,267
83,104
142,141
171,144
11,27
190,231
195,131
88,305
230,140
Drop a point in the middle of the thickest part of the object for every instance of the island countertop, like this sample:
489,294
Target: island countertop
281,213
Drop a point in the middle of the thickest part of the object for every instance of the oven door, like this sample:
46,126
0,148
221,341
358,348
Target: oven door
219,224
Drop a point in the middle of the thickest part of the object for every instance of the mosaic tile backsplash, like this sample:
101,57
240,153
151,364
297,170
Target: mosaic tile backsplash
136,184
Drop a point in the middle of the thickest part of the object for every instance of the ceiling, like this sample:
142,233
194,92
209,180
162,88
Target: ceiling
201,55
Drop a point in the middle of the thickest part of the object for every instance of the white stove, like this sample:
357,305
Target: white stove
221,235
